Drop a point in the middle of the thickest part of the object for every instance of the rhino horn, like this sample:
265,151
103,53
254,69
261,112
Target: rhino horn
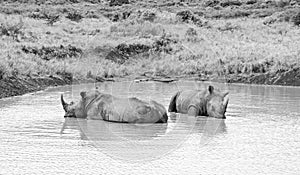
225,102
64,104
225,94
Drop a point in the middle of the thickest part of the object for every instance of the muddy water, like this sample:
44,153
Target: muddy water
259,136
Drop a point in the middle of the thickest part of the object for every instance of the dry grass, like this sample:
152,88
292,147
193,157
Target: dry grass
223,46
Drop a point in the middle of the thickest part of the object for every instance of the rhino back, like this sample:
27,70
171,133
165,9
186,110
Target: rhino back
184,100
133,110
193,98
143,112
127,110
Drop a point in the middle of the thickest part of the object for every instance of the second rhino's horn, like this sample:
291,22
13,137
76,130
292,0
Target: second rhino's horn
64,104
225,102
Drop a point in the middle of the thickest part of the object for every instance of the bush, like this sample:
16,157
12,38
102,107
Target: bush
117,16
149,15
191,35
118,2
289,15
296,19
74,16
250,2
282,3
230,3
211,3
48,53
51,18
132,49
269,20
3,71
187,16
11,27
163,44
123,52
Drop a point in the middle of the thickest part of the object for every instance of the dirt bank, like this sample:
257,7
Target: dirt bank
287,78
13,86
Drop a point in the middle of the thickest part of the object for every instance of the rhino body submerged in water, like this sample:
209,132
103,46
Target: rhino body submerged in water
100,106
209,102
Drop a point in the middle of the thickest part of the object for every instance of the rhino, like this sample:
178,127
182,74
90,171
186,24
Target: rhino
100,106
209,102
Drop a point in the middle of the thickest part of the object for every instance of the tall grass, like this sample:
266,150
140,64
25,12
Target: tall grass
222,47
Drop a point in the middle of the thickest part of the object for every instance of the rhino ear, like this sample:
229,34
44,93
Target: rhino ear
210,89
83,94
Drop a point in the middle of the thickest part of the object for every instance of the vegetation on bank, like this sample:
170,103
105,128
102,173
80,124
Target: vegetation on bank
114,39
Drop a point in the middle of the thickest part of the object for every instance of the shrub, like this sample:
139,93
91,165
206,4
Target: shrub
3,71
132,49
123,52
230,3
191,35
249,2
118,2
149,15
48,53
269,20
74,16
282,3
296,19
187,16
163,44
211,3
139,16
11,27
117,16
51,18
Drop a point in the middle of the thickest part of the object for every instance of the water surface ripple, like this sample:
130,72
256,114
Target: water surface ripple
259,136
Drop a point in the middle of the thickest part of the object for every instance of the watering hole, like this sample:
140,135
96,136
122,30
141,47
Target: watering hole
260,134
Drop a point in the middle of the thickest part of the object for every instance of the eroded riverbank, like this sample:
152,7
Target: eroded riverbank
12,86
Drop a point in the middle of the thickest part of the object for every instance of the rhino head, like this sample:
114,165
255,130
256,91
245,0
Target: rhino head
75,110
216,103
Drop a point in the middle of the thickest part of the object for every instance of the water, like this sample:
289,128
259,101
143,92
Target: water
259,136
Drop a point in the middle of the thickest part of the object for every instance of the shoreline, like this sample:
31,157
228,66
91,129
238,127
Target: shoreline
15,86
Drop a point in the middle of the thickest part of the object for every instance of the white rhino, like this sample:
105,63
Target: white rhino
209,102
96,105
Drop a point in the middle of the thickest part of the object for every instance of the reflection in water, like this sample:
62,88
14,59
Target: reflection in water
204,127
101,130
130,142
201,124
259,135
211,126
134,142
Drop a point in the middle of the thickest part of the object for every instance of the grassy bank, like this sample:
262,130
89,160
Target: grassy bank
252,41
